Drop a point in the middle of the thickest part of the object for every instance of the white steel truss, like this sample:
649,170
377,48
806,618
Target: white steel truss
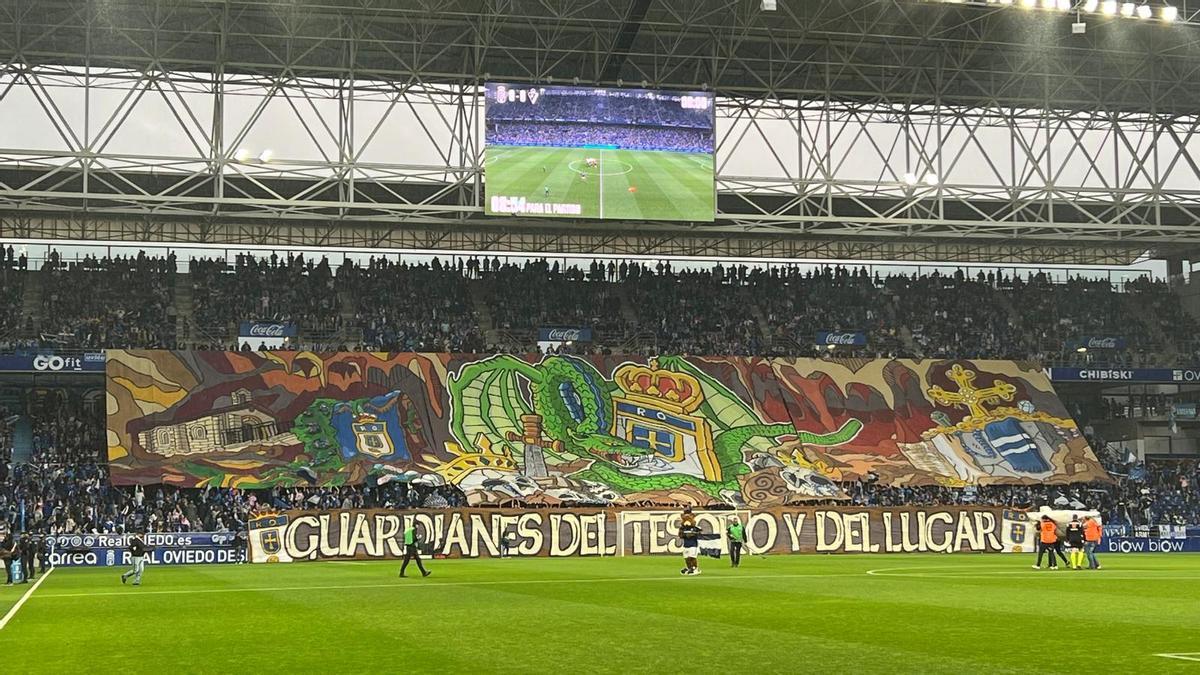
360,122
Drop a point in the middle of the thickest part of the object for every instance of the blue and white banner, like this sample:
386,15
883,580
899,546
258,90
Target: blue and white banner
1149,545
267,329
118,557
565,334
1124,375
49,362
167,539
1100,342
167,548
841,338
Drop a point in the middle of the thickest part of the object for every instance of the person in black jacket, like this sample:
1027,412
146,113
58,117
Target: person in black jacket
28,550
8,553
137,556
43,554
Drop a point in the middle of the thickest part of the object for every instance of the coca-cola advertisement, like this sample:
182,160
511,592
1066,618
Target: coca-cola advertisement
267,329
564,334
266,334
1102,342
841,338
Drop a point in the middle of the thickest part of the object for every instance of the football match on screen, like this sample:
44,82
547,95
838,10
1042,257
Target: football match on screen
622,336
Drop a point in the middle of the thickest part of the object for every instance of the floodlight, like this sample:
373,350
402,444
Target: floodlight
1170,13
1127,9
1144,11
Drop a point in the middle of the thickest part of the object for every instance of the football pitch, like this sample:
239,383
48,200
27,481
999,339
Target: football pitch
870,613
631,184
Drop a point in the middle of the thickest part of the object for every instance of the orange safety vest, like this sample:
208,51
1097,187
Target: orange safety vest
1049,536
1092,531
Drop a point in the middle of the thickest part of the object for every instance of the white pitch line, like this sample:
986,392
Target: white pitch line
1182,656
13,610
402,585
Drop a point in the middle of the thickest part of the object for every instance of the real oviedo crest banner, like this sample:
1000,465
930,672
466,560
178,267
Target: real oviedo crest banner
563,430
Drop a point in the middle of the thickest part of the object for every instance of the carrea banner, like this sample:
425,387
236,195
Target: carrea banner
1149,545
841,338
565,334
470,533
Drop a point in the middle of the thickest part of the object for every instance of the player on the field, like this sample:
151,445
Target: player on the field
411,553
137,556
689,533
546,191
1075,542
1092,532
737,538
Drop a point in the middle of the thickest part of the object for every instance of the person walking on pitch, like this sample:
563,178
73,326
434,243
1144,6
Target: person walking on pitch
137,556
737,539
1075,542
1092,532
411,552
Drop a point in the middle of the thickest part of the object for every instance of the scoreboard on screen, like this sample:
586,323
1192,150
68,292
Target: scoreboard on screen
592,152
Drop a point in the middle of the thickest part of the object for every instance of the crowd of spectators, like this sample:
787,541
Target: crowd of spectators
587,105
482,304
523,298
94,303
554,117
624,137
292,289
423,307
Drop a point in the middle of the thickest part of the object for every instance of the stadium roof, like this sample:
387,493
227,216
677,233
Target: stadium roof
910,51
874,65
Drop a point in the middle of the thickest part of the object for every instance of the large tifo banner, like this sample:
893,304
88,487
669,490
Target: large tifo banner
603,430
468,533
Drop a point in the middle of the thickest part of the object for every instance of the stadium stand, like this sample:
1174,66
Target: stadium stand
452,306
468,305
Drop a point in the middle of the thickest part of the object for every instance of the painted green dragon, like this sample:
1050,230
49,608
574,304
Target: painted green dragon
575,403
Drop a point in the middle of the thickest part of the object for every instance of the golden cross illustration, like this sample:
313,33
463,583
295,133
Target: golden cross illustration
967,395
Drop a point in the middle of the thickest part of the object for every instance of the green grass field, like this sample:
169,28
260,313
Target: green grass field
877,613
629,184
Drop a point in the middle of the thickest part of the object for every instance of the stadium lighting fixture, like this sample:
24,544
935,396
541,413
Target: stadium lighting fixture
1170,13
1108,7
241,155
1064,5
265,156
931,178
1028,4
1127,9
910,178
1091,5
1144,11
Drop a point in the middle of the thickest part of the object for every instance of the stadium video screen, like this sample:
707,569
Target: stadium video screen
588,152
